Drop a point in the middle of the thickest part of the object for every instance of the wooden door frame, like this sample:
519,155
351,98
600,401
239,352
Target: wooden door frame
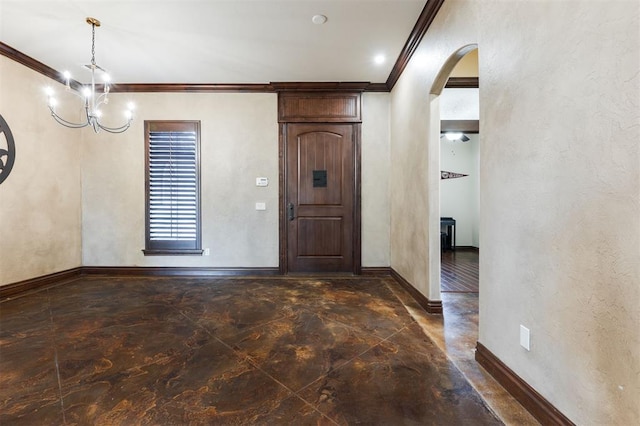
282,199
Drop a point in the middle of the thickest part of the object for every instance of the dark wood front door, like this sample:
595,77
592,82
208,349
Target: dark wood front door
320,199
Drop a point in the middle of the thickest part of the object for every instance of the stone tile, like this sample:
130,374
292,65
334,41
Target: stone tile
89,352
29,391
34,408
301,348
378,311
232,307
276,350
24,315
457,336
204,384
393,385
294,411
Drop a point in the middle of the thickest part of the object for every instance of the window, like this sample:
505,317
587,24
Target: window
172,187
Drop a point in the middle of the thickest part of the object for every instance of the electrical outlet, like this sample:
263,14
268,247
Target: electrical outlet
525,337
207,252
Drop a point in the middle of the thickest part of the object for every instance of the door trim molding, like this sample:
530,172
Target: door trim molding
283,263
357,200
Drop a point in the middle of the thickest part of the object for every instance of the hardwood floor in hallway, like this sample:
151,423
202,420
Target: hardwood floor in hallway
459,271
172,351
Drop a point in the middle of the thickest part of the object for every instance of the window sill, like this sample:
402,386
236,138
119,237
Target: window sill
173,252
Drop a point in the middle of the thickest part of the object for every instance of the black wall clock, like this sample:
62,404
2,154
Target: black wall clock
7,150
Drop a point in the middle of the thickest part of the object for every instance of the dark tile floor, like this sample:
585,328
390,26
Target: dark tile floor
123,351
456,334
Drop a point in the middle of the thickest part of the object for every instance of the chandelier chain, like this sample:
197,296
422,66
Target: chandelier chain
93,44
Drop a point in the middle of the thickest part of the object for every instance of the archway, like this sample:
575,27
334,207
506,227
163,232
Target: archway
433,184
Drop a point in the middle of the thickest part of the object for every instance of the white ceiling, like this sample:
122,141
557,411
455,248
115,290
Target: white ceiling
214,41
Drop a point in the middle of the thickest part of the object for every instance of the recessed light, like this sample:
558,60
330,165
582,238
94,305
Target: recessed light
379,59
319,19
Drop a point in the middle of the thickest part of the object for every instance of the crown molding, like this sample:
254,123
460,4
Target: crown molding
419,30
29,62
423,23
464,126
346,86
189,88
462,83
377,87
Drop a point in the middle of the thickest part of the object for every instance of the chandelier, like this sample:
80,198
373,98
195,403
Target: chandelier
91,97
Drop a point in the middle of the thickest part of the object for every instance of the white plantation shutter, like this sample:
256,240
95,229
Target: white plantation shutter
173,190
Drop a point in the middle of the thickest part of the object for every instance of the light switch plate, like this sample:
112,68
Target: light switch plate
261,206
525,337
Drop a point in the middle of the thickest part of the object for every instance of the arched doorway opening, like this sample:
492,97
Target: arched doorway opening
459,182
434,177
459,333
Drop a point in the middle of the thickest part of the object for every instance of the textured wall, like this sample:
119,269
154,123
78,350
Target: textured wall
375,179
409,127
40,206
415,162
71,188
239,142
560,190
560,204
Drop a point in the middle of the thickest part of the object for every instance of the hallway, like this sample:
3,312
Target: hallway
456,333
107,350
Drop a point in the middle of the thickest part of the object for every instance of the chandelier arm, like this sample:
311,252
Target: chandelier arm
120,129
67,123
100,100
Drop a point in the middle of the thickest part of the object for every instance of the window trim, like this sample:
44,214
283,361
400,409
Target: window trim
169,247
